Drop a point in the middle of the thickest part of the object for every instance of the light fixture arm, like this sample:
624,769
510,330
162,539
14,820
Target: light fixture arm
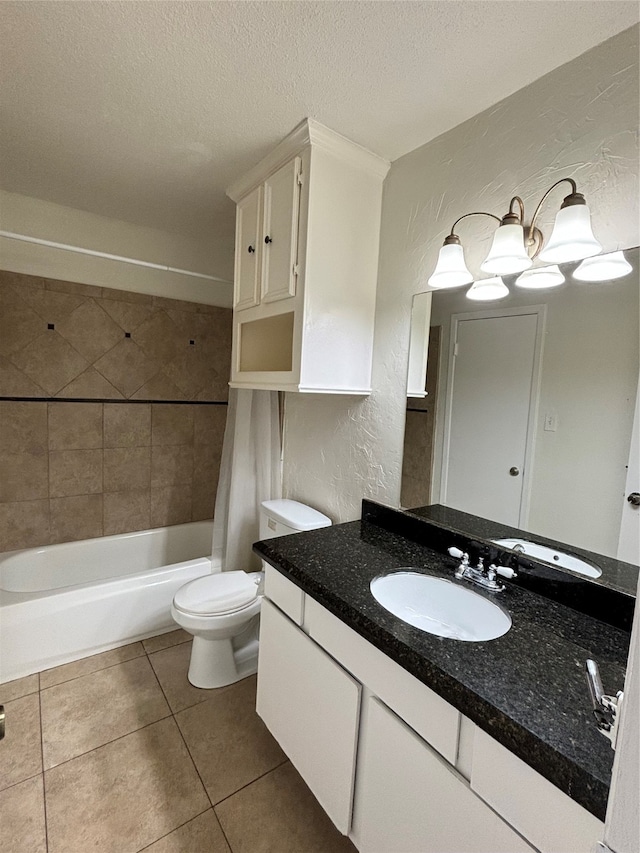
453,234
574,193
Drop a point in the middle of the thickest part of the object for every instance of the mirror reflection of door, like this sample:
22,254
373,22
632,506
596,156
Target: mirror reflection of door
491,404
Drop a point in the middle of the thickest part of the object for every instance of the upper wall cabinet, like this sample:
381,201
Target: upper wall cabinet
307,234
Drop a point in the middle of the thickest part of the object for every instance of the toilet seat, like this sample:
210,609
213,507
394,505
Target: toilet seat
218,594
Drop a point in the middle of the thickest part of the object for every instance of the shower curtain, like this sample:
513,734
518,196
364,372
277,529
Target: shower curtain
250,472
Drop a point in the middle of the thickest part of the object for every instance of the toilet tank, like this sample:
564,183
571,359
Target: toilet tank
279,517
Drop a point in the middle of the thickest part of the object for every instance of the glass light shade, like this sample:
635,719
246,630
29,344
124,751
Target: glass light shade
451,269
572,238
540,278
487,289
603,268
508,254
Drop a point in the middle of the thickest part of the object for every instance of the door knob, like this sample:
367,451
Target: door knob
268,240
634,498
250,249
514,471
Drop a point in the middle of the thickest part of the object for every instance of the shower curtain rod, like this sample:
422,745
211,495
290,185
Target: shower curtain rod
24,238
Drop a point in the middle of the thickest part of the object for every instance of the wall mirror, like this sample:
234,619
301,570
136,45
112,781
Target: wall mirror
529,406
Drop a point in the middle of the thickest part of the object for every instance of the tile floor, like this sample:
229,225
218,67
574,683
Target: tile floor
118,753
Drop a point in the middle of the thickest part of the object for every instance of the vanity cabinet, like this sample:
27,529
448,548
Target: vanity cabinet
307,233
393,764
408,798
312,708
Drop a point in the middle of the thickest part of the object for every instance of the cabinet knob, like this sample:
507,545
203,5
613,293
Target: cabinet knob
514,471
250,249
634,498
268,240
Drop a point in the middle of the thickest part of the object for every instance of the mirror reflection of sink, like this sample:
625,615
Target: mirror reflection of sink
551,555
440,607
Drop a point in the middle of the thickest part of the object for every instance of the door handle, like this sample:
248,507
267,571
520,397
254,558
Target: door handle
514,471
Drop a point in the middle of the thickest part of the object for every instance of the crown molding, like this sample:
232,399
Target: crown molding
308,132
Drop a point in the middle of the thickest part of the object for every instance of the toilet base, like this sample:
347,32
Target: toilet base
215,663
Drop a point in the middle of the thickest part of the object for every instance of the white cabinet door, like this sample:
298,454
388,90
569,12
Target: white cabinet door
311,706
248,251
408,799
280,229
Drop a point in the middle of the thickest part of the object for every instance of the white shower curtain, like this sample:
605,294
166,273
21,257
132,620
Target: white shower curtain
250,472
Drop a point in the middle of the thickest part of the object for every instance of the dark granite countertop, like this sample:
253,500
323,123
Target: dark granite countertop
526,689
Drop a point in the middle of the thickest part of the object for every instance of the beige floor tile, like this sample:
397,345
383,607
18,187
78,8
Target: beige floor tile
88,712
67,671
125,795
19,687
200,835
228,741
171,666
165,641
278,812
22,826
21,748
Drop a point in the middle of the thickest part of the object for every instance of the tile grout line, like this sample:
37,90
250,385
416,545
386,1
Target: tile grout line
261,776
44,783
155,841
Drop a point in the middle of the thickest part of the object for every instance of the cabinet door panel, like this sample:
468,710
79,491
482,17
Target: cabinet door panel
248,251
408,799
281,214
311,706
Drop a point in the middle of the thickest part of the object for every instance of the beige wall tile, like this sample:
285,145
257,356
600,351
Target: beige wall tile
127,511
171,465
171,424
127,296
225,761
50,362
85,666
75,472
159,337
90,330
127,468
92,385
162,302
128,315
201,835
51,307
170,505
75,288
203,499
191,371
22,817
8,278
19,687
20,750
209,425
14,383
160,387
260,818
127,425
75,518
24,476
87,712
127,366
19,325
24,524
74,426
129,806
23,427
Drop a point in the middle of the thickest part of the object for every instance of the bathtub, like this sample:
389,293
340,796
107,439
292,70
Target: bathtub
63,602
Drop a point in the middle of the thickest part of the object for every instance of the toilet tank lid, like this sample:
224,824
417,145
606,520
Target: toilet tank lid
295,515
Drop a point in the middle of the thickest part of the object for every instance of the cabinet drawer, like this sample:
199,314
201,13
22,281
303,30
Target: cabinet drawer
312,707
286,595
551,820
434,719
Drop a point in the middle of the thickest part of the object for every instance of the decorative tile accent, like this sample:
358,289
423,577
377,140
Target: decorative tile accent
14,383
51,307
127,315
50,362
19,325
127,366
159,337
90,330
159,388
90,385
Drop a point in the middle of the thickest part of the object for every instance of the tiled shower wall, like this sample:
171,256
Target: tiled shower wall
76,459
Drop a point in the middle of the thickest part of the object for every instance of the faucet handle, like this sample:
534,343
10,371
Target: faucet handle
506,572
458,553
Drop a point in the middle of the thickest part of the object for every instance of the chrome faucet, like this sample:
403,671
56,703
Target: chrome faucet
480,575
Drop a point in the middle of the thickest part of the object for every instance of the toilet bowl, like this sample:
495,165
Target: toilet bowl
222,610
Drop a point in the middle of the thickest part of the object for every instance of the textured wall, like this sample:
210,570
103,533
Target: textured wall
75,469
580,120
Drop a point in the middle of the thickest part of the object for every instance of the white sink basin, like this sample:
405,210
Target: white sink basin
550,555
440,607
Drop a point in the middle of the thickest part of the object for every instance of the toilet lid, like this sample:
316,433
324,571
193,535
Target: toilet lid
223,592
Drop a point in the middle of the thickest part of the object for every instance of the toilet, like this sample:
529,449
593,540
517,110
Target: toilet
222,610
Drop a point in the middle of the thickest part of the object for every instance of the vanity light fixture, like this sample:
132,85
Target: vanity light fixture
541,277
603,268
487,289
515,244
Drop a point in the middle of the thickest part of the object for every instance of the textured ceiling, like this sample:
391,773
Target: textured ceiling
146,111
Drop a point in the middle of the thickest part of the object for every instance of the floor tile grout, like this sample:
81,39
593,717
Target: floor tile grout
26,779
44,791
151,843
93,671
261,776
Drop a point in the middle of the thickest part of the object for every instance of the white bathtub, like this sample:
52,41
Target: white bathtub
63,602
